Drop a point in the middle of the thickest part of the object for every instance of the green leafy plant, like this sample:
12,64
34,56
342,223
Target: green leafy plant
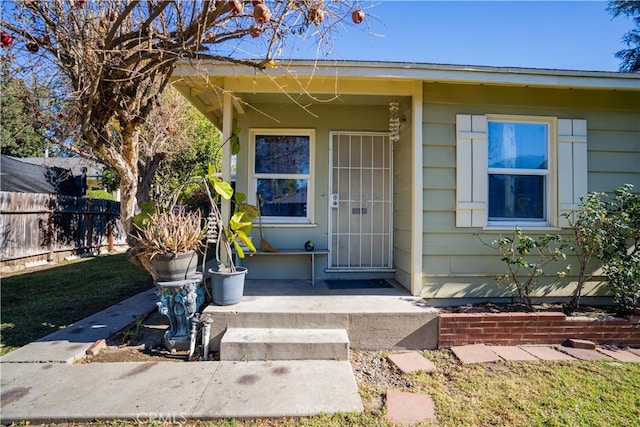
237,230
607,234
621,253
590,233
132,334
526,258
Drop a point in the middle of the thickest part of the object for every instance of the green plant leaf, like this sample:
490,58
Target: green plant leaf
239,197
239,249
245,239
222,188
234,142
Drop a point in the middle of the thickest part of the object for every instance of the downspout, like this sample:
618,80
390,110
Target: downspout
417,206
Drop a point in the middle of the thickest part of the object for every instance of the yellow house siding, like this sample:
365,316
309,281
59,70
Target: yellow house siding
456,263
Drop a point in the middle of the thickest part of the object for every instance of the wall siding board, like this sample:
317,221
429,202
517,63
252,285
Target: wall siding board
609,181
610,162
439,200
438,156
625,141
439,178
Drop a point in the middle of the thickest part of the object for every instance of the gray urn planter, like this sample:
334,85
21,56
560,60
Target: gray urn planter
175,266
227,288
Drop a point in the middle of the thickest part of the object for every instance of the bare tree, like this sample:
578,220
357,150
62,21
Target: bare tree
117,55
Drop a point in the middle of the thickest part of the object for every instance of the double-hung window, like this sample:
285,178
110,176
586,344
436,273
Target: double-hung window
282,168
518,172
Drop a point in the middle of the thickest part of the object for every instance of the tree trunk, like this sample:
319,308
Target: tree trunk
146,172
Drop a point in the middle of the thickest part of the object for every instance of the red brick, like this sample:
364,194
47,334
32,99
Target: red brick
447,316
578,343
550,315
96,347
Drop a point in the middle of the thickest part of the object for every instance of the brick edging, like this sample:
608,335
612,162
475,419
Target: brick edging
532,328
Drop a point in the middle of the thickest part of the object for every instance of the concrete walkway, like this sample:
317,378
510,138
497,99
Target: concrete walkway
40,383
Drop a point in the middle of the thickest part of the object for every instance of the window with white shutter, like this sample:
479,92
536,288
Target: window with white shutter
518,171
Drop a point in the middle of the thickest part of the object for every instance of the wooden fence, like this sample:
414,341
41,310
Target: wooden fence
42,225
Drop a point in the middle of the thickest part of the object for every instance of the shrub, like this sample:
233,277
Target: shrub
608,230
589,228
621,253
526,258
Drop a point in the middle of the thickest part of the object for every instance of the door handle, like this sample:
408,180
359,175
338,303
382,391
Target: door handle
334,200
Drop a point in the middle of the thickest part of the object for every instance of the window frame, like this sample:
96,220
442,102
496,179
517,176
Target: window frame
549,174
253,176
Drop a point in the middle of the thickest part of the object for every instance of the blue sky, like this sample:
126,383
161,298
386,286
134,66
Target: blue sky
576,35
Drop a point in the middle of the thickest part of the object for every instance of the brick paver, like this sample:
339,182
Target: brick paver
475,353
578,343
410,408
583,354
513,353
635,351
544,352
411,362
620,355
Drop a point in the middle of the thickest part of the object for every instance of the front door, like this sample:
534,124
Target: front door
360,211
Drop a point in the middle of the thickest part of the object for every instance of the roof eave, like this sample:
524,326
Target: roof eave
443,73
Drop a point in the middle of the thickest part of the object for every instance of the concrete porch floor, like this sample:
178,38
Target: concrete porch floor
374,318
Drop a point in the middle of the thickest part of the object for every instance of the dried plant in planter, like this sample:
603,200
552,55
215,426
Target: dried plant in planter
169,231
159,232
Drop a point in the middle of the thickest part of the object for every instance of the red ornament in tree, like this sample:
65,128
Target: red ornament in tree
5,39
236,7
357,16
255,31
81,3
33,47
44,40
261,13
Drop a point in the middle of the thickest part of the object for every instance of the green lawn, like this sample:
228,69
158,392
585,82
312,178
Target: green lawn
600,393
34,304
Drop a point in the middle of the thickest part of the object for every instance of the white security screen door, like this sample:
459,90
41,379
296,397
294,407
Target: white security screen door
360,204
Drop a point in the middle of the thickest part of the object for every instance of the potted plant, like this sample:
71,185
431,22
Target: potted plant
167,241
229,239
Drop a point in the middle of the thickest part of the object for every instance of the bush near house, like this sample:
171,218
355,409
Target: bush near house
526,258
606,234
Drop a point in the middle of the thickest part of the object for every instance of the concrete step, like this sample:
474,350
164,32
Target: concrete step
373,322
284,344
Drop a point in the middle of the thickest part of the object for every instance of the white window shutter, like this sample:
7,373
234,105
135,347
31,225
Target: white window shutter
471,170
572,166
